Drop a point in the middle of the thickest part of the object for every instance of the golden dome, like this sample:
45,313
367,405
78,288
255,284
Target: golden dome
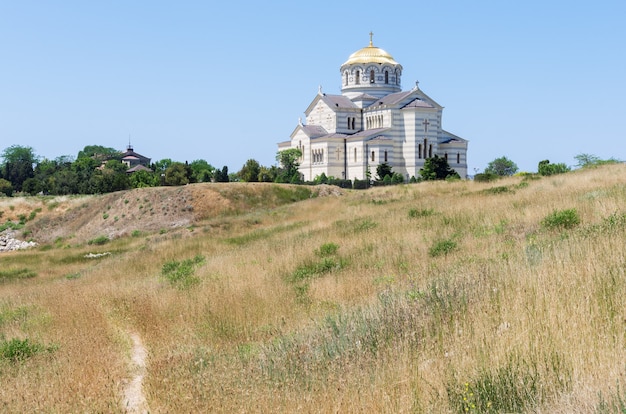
370,54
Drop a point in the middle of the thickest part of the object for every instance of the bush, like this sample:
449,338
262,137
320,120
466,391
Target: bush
99,241
566,219
442,247
425,212
359,184
181,274
545,168
327,249
485,177
496,190
21,349
16,274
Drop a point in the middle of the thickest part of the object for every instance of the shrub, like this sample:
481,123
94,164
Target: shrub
566,219
99,241
327,249
546,168
425,212
359,184
496,190
181,274
21,349
442,247
16,274
485,177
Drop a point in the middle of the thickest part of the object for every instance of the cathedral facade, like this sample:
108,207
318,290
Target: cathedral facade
372,122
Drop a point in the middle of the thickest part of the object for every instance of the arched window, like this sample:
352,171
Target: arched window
371,76
358,77
354,154
445,155
386,77
385,156
425,148
430,151
458,157
348,123
346,80
353,119
373,156
420,151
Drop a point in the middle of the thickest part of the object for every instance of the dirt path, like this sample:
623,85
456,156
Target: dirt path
134,398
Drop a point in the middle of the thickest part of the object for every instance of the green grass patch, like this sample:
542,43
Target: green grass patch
16,274
424,212
11,225
355,226
261,234
99,241
497,190
519,385
442,248
13,314
16,350
561,219
181,274
312,270
327,249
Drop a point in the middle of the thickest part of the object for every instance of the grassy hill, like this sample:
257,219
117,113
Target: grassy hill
435,297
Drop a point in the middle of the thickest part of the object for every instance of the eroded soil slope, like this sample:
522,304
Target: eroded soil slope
84,218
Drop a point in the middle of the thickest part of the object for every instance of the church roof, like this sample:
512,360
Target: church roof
338,101
392,98
450,137
313,131
138,167
418,103
364,97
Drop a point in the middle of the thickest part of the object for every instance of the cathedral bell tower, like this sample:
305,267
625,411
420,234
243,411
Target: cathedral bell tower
371,71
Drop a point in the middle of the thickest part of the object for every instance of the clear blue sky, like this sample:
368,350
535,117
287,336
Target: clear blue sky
225,82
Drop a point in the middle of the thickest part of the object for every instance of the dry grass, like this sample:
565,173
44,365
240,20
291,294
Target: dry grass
441,297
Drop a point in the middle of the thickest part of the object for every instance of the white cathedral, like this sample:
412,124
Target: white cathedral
372,122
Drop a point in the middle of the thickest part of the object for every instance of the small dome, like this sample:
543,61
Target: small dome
370,54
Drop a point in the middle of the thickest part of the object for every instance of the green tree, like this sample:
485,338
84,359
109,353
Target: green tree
437,168
289,162
221,176
588,160
397,178
502,167
18,165
250,171
546,168
268,174
6,188
321,179
176,174
383,170
143,178
98,152
201,171
112,177
159,167
85,169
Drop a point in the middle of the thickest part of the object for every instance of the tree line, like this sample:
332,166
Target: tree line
97,169
503,167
